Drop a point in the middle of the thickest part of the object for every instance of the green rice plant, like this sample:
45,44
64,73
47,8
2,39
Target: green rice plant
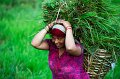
18,59
114,73
91,19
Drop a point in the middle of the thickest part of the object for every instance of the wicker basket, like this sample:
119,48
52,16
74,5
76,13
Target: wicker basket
98,64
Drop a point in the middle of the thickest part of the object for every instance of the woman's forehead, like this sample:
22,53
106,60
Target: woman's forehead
57,36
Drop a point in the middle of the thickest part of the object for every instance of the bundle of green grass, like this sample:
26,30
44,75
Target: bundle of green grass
95,24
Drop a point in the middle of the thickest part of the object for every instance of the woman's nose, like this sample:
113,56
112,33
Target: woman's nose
56,41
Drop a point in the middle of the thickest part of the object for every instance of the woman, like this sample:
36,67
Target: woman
65,56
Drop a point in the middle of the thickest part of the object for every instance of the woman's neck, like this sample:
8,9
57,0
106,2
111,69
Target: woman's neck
61,51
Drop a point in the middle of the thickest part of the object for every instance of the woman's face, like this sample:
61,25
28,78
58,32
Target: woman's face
59,41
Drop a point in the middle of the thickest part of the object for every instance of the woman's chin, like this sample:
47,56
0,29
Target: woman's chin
59,47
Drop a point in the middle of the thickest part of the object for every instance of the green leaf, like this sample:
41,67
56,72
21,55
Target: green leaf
88,14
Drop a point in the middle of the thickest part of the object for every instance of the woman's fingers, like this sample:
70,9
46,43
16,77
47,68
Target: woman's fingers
59,21
65,23
51,24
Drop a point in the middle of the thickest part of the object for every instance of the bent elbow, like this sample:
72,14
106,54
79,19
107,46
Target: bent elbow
33,44
70,49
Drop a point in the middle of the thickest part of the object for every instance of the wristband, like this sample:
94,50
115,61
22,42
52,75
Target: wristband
46,28
68,28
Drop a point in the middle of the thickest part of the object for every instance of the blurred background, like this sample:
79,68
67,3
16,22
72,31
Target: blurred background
20,20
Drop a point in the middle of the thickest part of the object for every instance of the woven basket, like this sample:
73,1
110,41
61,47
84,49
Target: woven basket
98,64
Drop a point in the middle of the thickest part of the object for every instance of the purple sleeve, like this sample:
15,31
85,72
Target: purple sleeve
82,48
48,41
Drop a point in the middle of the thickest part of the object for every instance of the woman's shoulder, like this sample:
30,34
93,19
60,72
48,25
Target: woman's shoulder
80,45
49,41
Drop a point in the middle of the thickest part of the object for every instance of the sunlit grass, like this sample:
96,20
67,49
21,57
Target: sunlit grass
18,59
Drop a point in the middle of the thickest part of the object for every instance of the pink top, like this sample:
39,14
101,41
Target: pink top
66,66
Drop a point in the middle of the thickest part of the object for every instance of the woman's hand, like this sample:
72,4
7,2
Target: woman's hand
65,23
49,26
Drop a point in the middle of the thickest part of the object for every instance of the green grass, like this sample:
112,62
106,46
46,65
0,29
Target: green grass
18,59
114,73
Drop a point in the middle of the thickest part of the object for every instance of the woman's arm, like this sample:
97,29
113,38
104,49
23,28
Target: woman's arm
71,47
38,41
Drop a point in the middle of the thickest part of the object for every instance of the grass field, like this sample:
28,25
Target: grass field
18,59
